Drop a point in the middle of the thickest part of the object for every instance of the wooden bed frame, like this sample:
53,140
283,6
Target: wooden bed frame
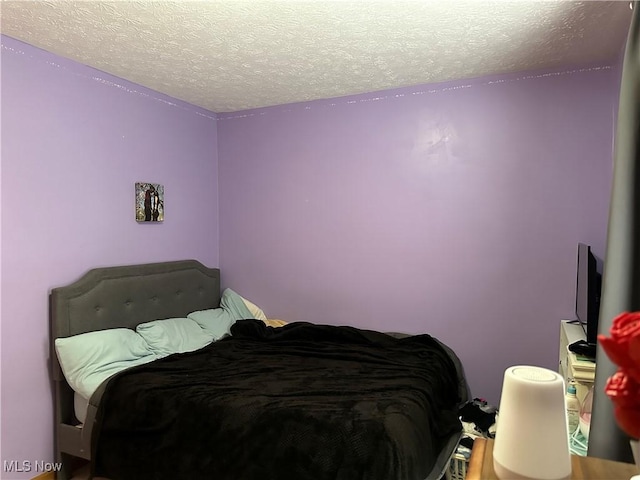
125,296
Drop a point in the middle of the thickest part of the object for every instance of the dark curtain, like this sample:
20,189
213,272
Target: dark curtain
621,281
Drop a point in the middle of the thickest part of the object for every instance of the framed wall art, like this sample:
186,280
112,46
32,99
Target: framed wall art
149,202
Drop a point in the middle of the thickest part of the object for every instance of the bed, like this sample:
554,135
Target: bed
299,401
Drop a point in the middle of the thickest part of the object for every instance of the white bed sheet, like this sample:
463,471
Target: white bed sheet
80,405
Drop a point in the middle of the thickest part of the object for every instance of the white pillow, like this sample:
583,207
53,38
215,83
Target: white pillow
173,335
257,313
216,321
90,358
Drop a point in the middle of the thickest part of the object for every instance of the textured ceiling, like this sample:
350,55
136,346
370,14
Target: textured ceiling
235,55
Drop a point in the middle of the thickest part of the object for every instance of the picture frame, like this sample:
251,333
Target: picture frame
149,202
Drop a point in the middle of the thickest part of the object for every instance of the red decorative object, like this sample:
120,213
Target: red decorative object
623,388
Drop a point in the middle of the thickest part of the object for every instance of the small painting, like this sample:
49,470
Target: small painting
149,202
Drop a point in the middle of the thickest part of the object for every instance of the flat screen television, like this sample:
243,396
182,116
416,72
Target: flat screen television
588,286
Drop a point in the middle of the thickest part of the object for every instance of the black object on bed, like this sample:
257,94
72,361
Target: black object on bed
303,402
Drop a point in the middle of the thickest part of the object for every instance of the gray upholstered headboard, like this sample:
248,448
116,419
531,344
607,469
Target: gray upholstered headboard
125,296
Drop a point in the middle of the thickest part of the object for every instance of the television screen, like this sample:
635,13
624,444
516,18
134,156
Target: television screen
588,292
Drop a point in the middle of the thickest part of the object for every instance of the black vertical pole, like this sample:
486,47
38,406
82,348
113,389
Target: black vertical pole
621,279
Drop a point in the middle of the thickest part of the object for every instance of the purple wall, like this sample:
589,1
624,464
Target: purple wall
74,142
453,209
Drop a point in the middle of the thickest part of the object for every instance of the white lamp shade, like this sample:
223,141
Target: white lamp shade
532,438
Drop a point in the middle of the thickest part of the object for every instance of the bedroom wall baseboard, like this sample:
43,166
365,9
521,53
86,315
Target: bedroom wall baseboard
45,476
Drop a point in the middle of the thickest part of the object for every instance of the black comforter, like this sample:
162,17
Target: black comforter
299,402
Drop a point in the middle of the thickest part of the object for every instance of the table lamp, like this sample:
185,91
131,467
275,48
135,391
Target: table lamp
532,439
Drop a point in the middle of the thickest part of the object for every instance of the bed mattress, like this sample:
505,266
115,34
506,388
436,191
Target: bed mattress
80,405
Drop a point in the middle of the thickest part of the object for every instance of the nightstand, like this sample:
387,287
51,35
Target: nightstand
583,468
571,366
